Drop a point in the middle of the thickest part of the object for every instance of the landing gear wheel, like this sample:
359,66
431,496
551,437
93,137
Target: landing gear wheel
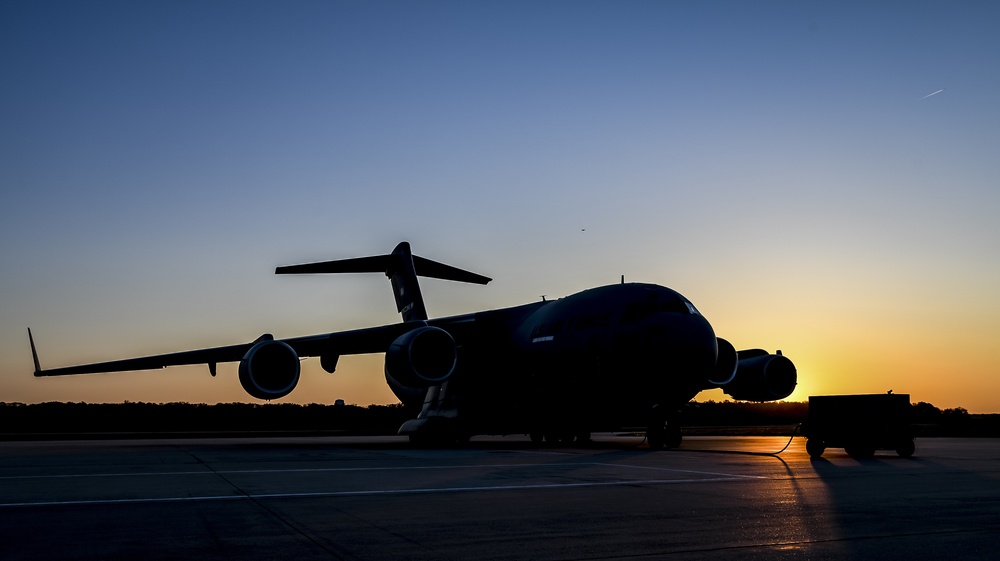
906,448
536,437
663,429
424,441
656,437
815,447
668,436
673,436
438,440
559,438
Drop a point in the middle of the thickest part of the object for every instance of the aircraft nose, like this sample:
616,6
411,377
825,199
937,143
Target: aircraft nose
687,345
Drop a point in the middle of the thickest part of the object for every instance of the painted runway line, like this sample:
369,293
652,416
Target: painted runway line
370,492
362,469
702,477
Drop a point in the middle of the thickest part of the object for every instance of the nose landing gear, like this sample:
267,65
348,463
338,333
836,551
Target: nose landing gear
664,431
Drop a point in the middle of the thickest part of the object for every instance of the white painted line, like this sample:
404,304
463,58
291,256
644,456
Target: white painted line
370,492
686,471
355,469
294,470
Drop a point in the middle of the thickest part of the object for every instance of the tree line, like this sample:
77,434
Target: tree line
194,418
54,419
927,419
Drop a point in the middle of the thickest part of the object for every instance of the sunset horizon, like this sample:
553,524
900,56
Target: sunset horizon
819,180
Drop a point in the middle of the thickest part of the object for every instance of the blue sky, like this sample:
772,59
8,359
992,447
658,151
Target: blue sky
776,162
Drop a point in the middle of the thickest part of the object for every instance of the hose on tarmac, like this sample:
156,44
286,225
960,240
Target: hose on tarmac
796,432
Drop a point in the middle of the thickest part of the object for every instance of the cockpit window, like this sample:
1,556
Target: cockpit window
638,311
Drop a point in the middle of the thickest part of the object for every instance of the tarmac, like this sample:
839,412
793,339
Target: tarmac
496,498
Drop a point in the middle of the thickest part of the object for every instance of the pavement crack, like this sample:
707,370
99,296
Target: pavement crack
275,514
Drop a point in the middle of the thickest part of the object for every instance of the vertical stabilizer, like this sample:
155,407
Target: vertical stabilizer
406,289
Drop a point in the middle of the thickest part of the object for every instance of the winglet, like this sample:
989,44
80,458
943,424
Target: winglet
34,354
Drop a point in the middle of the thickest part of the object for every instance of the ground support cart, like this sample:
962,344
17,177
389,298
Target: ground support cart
860,424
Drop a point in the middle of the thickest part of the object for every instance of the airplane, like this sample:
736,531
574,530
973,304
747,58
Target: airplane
616,356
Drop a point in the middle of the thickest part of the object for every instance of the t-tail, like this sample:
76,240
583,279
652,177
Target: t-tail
402,268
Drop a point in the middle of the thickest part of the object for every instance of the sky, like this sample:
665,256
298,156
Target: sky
817,177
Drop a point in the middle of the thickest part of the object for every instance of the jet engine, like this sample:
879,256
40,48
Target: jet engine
761,376
269,370
725,365
419,359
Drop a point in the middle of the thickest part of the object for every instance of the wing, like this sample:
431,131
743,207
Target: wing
358,341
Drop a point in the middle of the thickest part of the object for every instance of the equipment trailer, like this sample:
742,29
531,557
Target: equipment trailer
860,424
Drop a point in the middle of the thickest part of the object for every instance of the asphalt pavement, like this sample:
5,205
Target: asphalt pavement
497,498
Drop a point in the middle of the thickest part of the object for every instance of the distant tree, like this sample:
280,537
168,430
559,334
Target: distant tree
923,412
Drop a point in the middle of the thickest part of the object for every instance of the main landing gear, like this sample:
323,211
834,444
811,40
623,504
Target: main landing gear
560,437
666,436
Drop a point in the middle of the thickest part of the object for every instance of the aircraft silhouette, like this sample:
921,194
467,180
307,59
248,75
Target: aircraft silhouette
624,355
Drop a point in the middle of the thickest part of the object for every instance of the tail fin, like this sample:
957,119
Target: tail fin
34,353
402,268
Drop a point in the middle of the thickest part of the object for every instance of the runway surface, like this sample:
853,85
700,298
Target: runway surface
497,498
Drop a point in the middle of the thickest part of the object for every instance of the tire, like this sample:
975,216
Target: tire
558,438
673,437
815,447
906,448
656,437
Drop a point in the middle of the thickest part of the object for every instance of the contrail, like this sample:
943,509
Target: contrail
934,93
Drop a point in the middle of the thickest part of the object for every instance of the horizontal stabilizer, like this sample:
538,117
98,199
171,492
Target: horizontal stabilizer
385,264
433,269
376,264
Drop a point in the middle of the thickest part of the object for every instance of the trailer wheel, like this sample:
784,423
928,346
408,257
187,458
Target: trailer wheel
815,447
906,448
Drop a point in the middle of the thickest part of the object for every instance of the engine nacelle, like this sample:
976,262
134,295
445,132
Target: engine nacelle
725,364
269,370
419,359
762,376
